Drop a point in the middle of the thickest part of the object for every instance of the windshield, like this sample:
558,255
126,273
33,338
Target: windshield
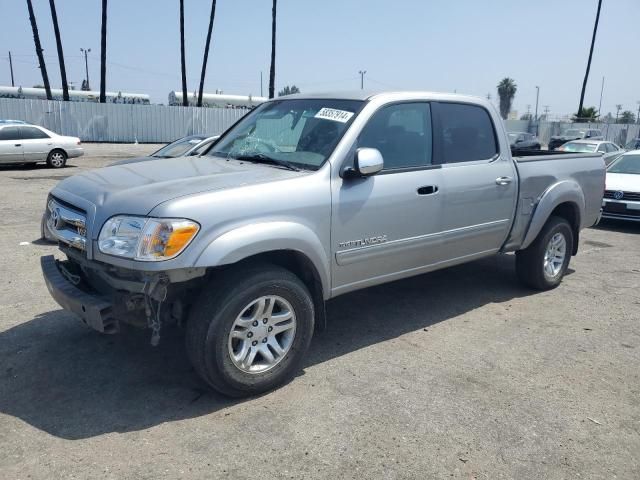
626,164
579,147
302,132
513,137
573,133
177,148
633,144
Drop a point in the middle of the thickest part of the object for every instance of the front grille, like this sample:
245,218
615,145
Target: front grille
67,223
629,196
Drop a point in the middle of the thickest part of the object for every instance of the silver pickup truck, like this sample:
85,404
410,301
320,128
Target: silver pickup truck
304,199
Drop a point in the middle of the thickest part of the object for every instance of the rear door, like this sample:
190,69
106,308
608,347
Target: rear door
10,145
36,143
479,181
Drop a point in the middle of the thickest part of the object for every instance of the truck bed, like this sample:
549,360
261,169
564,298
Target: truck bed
540,171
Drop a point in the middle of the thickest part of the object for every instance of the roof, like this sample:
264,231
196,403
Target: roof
588,140
370,94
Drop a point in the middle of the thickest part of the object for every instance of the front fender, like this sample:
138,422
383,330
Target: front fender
249,240
566,191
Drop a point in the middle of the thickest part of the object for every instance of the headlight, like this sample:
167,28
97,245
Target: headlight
146,239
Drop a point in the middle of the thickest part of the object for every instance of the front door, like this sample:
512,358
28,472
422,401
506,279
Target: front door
386,226
10,145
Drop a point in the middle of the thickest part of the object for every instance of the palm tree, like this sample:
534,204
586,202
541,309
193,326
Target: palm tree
103,53
36,40
185,99
272,71
587,114
506,91
206,51
63,71
593,41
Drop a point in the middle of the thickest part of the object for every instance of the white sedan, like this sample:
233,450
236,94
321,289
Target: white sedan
622,192
23,143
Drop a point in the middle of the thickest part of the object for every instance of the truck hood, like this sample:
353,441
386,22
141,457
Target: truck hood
137,188
627,182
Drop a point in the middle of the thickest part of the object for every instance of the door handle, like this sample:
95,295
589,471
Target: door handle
18,145
428,190
503,180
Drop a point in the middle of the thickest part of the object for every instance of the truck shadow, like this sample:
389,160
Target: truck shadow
72,383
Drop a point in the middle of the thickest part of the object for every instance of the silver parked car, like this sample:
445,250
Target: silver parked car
188,146
609,150
24,143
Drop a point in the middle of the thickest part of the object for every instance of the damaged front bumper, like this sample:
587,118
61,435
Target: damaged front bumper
95,310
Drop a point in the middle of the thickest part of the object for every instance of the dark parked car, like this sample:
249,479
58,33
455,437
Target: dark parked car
575,134
523,141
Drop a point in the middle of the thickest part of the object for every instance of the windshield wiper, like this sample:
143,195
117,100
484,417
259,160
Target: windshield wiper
262,158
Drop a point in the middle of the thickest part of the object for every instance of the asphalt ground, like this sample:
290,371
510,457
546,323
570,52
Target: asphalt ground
460,373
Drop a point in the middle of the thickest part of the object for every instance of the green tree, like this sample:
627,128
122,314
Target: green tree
627,117
588,114
288,90
507,89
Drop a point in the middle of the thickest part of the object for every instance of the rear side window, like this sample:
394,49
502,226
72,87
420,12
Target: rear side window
29,133
464,133
402,134
10,133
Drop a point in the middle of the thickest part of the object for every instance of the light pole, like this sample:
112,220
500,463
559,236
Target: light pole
86,65
536,115
638,114
601,92
362,72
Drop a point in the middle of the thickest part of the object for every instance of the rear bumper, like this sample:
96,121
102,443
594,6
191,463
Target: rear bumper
94,310
75,152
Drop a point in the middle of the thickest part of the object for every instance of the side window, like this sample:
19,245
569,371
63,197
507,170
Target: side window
29,133
611,147
10,133
603,148
402,134
465,133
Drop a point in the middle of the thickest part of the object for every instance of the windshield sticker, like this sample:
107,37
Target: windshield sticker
341,116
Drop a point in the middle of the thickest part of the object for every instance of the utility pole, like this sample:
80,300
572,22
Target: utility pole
618,108
362,72
86,65
537,98
601,91
261,83
638,114
11,68
586,75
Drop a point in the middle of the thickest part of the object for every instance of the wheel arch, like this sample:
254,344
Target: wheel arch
563,199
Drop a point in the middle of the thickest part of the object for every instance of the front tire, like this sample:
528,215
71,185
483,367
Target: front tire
250,329
542,264
57,159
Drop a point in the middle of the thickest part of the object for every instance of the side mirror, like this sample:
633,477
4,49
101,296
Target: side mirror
367,162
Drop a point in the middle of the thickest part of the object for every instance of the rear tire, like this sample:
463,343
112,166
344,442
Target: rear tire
542,264
221,326
57,159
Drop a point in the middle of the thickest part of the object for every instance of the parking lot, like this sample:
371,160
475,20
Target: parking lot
461,373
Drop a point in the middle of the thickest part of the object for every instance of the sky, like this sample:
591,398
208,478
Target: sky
466,46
